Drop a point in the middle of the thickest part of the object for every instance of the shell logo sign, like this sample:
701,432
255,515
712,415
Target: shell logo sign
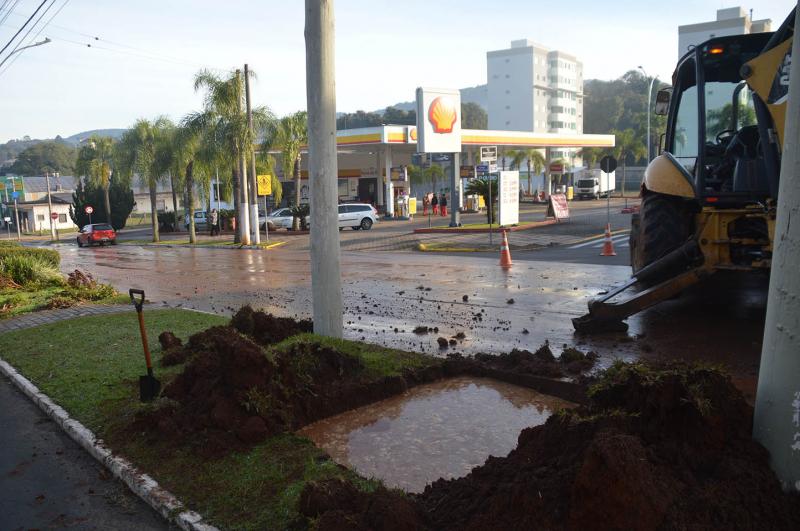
442,115
438,120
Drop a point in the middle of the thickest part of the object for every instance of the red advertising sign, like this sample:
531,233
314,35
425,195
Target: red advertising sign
558,207
556,167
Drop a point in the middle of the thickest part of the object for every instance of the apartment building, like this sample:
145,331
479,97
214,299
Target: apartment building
730,21
533,88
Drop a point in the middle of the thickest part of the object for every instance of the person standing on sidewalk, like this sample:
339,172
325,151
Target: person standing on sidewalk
214,221
443,204
426,203
435,203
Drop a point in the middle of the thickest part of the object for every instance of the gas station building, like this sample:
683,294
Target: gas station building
372,160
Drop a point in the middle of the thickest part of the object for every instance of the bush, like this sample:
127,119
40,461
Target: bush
30,269
6,243
48,255
83,287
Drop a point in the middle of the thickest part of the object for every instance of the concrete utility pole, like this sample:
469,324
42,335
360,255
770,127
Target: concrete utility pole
455,191
776,424
326,279
244,207
254,228
53,233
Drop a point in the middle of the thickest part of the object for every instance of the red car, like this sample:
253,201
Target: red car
101,233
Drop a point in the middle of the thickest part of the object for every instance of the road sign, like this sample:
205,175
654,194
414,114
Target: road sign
54,216
442,157
492,168
482,168
88,209
14,195
7,219
608,164
488,153
264,184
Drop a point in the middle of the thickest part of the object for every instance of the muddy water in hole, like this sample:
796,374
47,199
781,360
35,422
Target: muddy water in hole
439,430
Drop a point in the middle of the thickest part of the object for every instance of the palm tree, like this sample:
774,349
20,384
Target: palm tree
224,119
537,162
591,155
288,135
138,153
95,162
265,165
627,144
481,187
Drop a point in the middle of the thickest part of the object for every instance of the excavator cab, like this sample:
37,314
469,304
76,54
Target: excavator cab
709,199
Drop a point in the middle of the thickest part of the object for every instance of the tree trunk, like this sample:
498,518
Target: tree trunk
154,211
107,200
190,200
296,220
236,238
178,223
530,179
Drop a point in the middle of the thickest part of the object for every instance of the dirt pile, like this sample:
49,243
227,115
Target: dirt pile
524,362
265,328
655,448
231,393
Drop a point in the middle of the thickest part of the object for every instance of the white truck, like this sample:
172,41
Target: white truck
593,184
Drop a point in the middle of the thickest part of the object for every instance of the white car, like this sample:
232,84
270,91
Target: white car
357,216
280,219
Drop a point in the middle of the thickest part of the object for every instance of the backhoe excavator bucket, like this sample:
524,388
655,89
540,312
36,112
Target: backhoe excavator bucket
606,313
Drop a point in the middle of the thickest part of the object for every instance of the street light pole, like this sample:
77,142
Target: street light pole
649,99
18,50
50,206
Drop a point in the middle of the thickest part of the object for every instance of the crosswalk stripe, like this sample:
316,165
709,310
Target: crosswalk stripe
597,242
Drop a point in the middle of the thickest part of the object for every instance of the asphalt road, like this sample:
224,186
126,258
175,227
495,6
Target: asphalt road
47,481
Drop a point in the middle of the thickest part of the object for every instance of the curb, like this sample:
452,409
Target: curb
145,487
262,247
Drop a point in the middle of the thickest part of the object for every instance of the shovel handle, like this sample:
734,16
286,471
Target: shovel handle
138,303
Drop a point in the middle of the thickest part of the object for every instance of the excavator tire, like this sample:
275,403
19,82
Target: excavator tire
663,224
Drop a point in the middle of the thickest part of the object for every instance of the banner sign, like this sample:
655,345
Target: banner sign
467,172
508,200
558,207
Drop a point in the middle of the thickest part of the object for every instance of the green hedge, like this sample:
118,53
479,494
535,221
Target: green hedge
7,243
48,255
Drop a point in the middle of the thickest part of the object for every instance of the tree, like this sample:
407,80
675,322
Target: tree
591,155
225,121
88,193
95,159
354,120
473,116
721,119
393,115
137,153
481,187
287,135
44,157
628,144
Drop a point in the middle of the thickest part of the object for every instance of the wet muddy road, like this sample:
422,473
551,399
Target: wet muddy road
438,430
388,294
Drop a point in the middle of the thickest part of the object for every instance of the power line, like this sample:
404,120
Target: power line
10,10
32,27
23,27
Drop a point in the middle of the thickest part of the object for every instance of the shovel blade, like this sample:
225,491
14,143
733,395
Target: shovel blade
149,388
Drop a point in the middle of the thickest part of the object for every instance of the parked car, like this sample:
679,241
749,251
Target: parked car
280,219
99,233
201,220
357,216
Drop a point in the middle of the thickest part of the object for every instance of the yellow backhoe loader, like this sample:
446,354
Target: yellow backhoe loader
709,199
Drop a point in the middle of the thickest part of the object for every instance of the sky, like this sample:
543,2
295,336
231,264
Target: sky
145,54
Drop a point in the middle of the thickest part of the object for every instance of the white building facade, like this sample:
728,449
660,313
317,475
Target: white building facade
535,89
730,21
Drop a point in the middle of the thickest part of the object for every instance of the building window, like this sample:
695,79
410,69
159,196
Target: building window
161,205
40,217
62,218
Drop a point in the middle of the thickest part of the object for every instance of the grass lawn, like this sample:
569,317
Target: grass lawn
90,366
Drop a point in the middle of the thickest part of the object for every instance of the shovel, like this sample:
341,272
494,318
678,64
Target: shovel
148,385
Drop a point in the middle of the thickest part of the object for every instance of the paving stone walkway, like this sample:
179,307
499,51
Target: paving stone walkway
29,320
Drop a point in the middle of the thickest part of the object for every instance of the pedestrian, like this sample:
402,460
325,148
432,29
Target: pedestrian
443,204
186,221
426,202
435,203
214,220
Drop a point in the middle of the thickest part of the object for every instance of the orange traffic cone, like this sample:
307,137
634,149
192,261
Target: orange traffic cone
505,254
608,245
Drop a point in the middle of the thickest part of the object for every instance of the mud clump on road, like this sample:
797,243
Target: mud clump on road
665,447
265,328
